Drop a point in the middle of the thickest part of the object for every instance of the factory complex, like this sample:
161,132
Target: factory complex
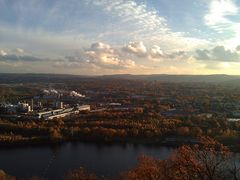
47,106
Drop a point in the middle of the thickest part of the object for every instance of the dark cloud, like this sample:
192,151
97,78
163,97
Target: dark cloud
15,58
101,47
176,55
238,48
218,53
203,54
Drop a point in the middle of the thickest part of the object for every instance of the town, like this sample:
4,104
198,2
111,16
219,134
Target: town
120,89
117,110
169,100
43,111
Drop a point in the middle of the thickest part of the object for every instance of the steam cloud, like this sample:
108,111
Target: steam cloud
76,94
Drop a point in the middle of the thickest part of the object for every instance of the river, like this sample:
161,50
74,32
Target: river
54,162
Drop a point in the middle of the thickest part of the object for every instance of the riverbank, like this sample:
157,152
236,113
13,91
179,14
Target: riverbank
172,142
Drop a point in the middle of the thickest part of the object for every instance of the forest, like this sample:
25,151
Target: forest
135,127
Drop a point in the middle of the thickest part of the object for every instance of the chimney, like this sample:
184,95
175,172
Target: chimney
32,105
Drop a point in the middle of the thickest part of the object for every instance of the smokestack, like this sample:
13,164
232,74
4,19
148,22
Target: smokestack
32,105
39,104
59,104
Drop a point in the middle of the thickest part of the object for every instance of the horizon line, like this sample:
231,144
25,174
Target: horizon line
99,75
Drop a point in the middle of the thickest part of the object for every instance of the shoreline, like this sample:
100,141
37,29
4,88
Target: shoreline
134,142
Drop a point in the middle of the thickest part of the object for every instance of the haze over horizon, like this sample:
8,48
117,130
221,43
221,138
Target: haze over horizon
99,37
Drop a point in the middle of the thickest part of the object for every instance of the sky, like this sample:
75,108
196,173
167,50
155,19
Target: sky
96,37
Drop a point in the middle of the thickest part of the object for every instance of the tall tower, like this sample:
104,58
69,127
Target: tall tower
32,105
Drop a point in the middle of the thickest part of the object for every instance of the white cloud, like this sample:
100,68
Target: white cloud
99,55
137,48
218,12
128,63
156,54
130,11
20,50
104,55
136,21
221,17
156,51
3,53
61,29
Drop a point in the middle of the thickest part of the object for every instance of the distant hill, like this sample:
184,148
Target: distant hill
6,78
179,78
59,78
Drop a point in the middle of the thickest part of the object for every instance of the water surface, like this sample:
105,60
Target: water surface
53,162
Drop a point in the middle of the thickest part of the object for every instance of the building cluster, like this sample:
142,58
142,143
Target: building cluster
46,106
20,107
27,111
61,113
173,103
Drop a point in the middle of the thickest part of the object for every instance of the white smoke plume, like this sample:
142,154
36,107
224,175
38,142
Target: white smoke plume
46,91
50,91
76,94
53,91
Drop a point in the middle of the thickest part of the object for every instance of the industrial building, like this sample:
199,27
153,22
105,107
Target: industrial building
60,113
50,104
23,109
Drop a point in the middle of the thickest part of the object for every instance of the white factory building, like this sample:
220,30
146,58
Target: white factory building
24,107
60,113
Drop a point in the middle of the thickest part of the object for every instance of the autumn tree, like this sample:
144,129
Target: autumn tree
55,133
209,160
80,173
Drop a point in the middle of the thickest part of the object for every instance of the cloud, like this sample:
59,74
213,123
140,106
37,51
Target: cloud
99,46
203,54
20,50
218,12
238,48
46,44
3,53
16,58
156,51
177,55
221,17
156,54
218,53
130,11
65,26
137,48
134,21
99,55
104,55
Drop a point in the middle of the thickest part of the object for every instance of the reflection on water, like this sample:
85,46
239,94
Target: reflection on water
53,162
